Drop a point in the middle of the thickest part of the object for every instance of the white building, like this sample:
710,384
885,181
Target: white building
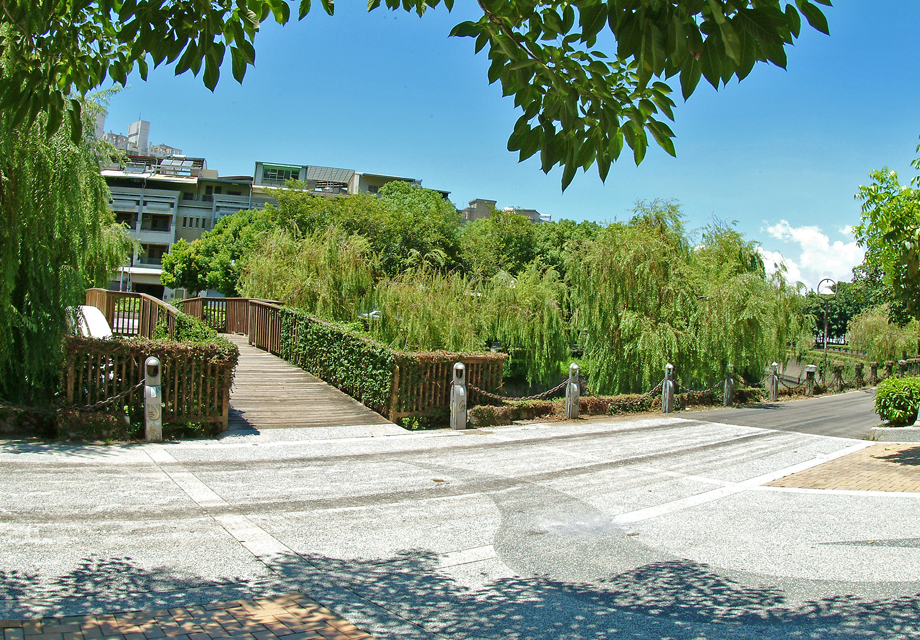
138,134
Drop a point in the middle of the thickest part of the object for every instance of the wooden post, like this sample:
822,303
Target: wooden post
394,394
810,372
838,377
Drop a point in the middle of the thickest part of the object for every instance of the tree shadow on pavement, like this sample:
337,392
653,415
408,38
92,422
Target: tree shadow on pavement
664,599
52,447
909,457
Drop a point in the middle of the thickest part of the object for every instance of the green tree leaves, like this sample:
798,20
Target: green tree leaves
578,104
644,295
890,231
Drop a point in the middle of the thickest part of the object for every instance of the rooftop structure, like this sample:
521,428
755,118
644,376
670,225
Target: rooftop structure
481,208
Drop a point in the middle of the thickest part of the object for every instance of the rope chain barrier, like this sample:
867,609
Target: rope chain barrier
495,396
788,386
687,389
89,407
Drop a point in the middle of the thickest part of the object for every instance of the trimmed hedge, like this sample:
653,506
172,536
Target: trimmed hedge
897,400
490,415
343,356
339,355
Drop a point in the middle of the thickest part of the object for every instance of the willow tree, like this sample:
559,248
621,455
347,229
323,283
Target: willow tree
645,295
630,300
325,274
525,315
872,333
424,309
57,238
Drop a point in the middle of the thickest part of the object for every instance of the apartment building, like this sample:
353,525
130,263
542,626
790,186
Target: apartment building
161,200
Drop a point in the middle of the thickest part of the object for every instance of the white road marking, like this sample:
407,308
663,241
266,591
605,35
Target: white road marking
718,494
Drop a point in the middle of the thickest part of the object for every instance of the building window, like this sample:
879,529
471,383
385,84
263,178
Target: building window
277,175
373,188
188,195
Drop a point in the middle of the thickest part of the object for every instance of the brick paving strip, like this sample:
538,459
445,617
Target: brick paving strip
882,467
288,617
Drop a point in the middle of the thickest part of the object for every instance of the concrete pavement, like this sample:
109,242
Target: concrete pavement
645,528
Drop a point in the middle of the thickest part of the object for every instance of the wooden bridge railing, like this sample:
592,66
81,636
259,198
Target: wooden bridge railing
233,315
227,315
132,314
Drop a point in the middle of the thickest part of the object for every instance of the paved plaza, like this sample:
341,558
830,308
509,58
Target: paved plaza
650,527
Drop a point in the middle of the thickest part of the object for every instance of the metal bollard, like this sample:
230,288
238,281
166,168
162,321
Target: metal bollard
728,394
667,389
810,372
774,383
572,393
153,401
458,398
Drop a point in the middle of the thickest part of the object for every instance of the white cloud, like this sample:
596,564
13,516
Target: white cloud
815,257
773,260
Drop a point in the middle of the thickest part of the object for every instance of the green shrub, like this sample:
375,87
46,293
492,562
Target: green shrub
897,400
490,416
188,329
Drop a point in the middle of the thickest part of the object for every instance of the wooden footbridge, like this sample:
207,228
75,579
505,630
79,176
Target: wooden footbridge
269,393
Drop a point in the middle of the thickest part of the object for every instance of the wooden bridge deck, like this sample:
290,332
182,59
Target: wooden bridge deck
269,393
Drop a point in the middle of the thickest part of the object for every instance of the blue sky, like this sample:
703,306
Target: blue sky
781,153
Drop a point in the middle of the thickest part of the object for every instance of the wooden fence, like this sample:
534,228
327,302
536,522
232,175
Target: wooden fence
420,381
195,380
133,314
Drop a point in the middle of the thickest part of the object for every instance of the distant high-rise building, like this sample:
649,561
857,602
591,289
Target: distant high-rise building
99,128
138,134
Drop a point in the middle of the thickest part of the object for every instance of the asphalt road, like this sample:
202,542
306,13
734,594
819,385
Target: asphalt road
645,528
846,415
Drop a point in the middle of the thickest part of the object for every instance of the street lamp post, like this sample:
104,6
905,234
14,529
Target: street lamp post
832,285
